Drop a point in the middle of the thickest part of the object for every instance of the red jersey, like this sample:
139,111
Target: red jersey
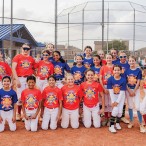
25,65
90,93
71,97
103,62
52,97
106,72
44,70
5,70
31,98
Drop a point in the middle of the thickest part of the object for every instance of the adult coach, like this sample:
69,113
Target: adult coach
22,67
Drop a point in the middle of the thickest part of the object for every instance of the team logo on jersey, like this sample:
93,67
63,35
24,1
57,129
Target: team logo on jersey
6,102
2,71
44,70
123,70
71,97
31,101
51,99
58,70
77,75
132,80
87,65
116,89
90,93
25,64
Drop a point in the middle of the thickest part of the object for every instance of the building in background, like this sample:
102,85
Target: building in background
117,44
21,35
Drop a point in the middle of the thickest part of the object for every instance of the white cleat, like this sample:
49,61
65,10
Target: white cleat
118,127
112,129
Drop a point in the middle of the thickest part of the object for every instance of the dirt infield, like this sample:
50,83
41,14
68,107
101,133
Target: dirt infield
73,137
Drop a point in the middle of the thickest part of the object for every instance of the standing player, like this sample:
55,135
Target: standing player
22,67
5,69
52,101
90,90
71,100
60,66
8,99
88,60
114,52
134,75
51,49
78,70
102,55
31,103
125,66
143,96
44,69
106,71
96,67
117,86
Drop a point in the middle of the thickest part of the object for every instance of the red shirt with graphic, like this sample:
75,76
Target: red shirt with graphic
144,82
106,72
25,65
5,70
31,98
52,96
44,69
90,93
71,97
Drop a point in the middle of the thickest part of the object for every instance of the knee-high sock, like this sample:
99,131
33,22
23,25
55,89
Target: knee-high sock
19,109
144,118
118,120
139,117
131,114
112,120
123,113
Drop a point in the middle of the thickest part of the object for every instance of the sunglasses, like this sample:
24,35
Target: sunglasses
26,49
123,56
45,55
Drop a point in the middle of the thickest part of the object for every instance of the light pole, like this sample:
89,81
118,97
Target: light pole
56,7
11,28
3,11
102,24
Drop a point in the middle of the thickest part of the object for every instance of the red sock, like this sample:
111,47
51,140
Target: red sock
144,118
106,115
19,109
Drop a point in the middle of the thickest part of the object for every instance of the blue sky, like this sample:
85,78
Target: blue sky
44,10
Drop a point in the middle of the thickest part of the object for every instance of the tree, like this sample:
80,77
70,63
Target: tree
116,44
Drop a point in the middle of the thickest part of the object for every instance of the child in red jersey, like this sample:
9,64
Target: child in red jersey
106,72
5,69
31,103
143,96
22,67
90,90
102,55
71,100
44,69
52,104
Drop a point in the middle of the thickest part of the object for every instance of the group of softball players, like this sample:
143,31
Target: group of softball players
95,90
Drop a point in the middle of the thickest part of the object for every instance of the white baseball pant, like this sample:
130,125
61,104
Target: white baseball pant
133,100
59,84
143,104
7,116
41,84
50,116
120,98
1,86
70,115
19,90
94,112
108,107
31,124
